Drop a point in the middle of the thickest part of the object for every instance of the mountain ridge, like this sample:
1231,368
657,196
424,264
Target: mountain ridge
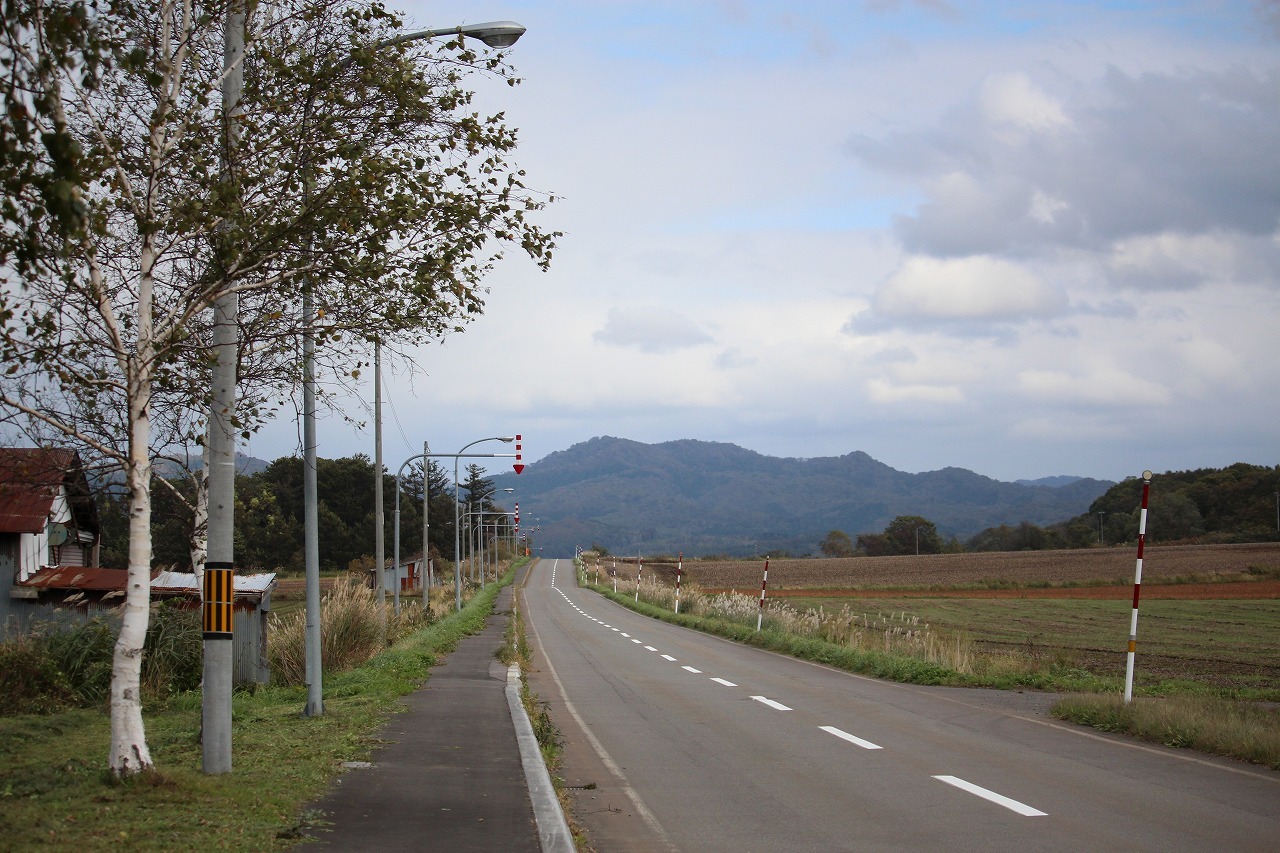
704,497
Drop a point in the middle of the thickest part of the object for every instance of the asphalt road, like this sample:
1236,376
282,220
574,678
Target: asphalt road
675,740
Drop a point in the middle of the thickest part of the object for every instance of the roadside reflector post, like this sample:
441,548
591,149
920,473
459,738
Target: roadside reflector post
679,567
763,583
639,572
1137,589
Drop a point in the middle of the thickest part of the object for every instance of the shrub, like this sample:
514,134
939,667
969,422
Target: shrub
173,654
30,682
83,654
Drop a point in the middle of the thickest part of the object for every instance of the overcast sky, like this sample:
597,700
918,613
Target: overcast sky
1025,239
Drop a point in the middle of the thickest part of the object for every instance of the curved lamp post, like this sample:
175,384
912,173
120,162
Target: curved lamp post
496,34
457,531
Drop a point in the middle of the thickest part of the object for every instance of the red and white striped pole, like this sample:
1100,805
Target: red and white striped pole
1137,588
679,566
639,572
763,583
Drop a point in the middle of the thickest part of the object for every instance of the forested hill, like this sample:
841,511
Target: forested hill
1239,503
705,497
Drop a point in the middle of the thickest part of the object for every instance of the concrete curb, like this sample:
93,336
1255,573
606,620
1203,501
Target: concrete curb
553,830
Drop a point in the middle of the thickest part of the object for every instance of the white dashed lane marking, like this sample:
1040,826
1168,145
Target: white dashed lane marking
956,782
843,735
992,796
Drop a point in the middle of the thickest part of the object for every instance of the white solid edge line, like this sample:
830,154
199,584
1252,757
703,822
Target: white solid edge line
777,706
992,796
641,809
854,739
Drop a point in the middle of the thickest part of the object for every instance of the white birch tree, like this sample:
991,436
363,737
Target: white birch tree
361,176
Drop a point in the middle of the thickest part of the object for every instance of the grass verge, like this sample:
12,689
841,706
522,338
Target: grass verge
886,665
56,790
1247,731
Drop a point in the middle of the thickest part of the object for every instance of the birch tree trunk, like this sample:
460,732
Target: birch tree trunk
129,752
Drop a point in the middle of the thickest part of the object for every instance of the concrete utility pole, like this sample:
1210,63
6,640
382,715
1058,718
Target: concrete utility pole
219,572
379,545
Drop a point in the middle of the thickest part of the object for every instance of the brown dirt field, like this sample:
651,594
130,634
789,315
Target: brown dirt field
1204,562
1182,591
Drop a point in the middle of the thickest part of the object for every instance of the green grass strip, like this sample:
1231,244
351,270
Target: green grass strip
57,792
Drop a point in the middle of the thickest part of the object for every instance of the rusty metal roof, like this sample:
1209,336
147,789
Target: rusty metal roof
163,583
77,577
30,478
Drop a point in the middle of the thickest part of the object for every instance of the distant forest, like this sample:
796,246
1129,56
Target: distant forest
1239,503
269,515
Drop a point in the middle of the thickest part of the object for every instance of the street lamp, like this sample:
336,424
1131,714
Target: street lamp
457,531
426,501
495,34
479,527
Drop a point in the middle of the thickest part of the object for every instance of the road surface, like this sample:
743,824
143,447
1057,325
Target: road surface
675,740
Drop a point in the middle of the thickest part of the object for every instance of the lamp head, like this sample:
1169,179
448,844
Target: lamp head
495,33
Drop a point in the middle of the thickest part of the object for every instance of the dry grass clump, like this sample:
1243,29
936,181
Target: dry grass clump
898,633
350,630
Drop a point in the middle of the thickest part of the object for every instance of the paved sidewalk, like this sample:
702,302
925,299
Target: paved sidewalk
450,775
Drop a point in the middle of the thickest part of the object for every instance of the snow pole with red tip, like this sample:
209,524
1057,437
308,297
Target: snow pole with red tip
679,566
1137,588
763,583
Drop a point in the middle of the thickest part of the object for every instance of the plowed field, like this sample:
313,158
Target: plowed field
935,572
1175,591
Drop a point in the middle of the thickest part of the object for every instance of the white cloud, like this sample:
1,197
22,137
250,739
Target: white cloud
973,288
880,391
1177,261
1014,100
651,329
1108,387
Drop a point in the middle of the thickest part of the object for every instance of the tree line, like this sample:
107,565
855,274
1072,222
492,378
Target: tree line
1239,503
269,515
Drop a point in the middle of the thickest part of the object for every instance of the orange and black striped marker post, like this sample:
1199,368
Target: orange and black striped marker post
219,594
